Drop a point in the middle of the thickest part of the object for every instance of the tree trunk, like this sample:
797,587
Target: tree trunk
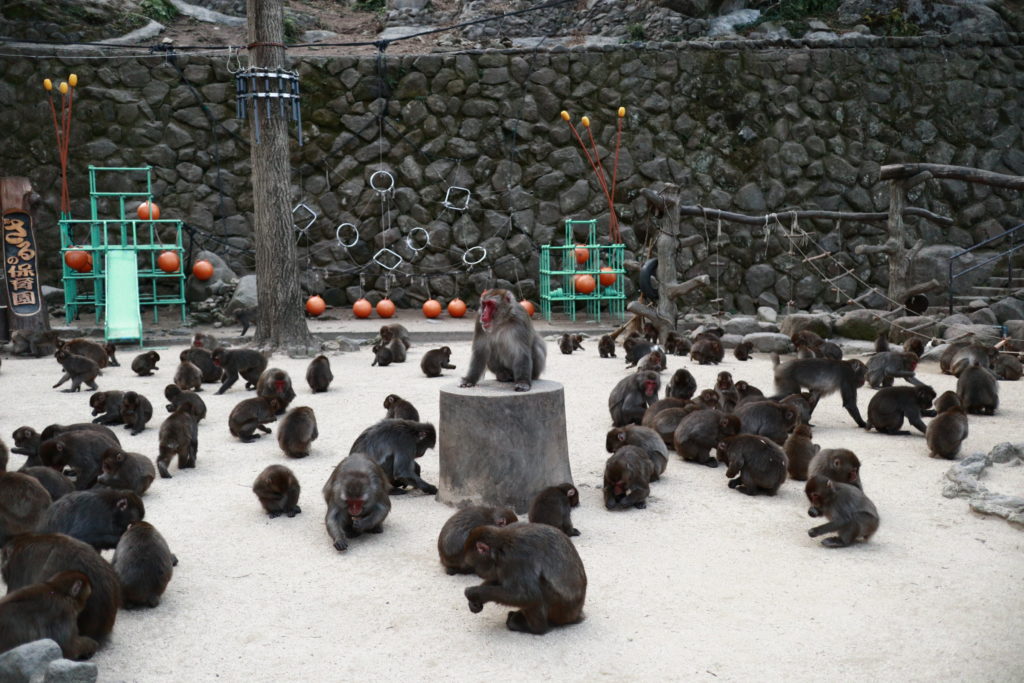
667,246
899,264
280,322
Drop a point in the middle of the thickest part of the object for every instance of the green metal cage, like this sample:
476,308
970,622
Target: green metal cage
559,268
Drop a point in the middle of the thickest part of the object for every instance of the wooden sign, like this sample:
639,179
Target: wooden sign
25,306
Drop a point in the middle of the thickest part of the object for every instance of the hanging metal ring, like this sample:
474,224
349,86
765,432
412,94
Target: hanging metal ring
385,251
426,237
479,260
355,239
390,180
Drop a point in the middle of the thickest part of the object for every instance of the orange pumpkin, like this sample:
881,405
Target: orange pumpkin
149,210
385,308
203,270
431,308
584,284
528,305
582,255
315,305
78,260
362,308
168,262
608,276
456,308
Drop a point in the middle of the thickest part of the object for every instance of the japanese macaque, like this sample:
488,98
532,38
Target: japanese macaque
505,342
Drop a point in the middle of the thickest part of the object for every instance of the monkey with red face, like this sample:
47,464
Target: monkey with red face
505,342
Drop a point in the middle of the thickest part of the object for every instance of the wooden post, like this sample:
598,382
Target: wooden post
667,246
899,263
280,321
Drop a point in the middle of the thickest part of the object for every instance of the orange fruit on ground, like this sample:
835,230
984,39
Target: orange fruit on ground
78,260
431,308
315,305
608,276
362,308
528,305
385,308
582,255
168,262
584,284
203,270
456,308
149,210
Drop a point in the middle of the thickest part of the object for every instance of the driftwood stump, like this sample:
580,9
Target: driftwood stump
501,447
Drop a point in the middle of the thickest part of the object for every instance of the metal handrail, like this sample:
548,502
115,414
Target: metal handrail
1009,262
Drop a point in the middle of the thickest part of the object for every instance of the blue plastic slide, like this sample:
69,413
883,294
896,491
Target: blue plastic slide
123,318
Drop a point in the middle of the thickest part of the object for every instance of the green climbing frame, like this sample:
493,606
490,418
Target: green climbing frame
558,268
99,237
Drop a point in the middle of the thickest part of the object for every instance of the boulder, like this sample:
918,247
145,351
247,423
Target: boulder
19,664
769,342
818,323
987,334
1009,308
741,325
768,315
898,330
67,671
244,296
862,324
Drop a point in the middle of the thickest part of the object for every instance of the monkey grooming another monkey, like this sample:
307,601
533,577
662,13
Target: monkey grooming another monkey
48,610
851,514
553,506
278,491
451,542
505,342
534,567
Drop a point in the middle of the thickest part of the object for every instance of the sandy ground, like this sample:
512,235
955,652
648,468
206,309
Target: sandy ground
705,584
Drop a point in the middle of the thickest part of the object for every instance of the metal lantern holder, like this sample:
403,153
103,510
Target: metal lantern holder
272,90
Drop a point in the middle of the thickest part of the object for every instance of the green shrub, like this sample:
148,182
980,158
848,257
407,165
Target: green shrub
158,10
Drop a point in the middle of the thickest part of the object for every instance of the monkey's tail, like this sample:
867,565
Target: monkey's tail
775,358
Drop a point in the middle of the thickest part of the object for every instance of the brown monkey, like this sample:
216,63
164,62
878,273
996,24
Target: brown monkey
144,364
565,344
389,333
682,385
666,422
708,398
202,359
806,339
81,450
882,342
707,350
654,362
357,499
884,367
726,390
395,445
203,340
799,451
677,345
646,439
397,348
400,409
97,517
246,317
23,504
770,419
530,566
890,405
188,377
650,332
915,346
822,376
850,513
48,610
630,397
553,506
627,479
577,342
179,435
36,343
55,483
144,564
78,369
662,404
606,346
838,464
177,397
701,431
947,430
801,403
1008,367
319,375
635,348
136,410
451,542
747,392
90,349
758,464
252,414
278,491
381,355
963,354
743,350
109,404
976,387
248,363
435,360
275,383
297,431
33,558
130,471
505,342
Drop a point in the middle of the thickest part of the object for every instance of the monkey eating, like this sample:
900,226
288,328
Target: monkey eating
435,360
278,491
357,500
505,343
627,479
758,464
553,506
451,542
851,514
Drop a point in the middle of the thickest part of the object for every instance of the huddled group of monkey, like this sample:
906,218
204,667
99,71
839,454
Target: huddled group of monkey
79,492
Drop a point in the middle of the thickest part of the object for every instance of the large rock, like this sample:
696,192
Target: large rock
67,671
759,277
862,324
818,323
987,334
769,342
244,296
200,290
19,664
741,324
1008,309
922,325
523,450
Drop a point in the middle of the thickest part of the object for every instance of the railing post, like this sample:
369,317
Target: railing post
951,286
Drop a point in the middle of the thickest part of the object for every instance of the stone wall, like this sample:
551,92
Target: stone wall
744,126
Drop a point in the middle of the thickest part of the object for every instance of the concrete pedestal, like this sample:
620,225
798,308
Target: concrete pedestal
497,446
